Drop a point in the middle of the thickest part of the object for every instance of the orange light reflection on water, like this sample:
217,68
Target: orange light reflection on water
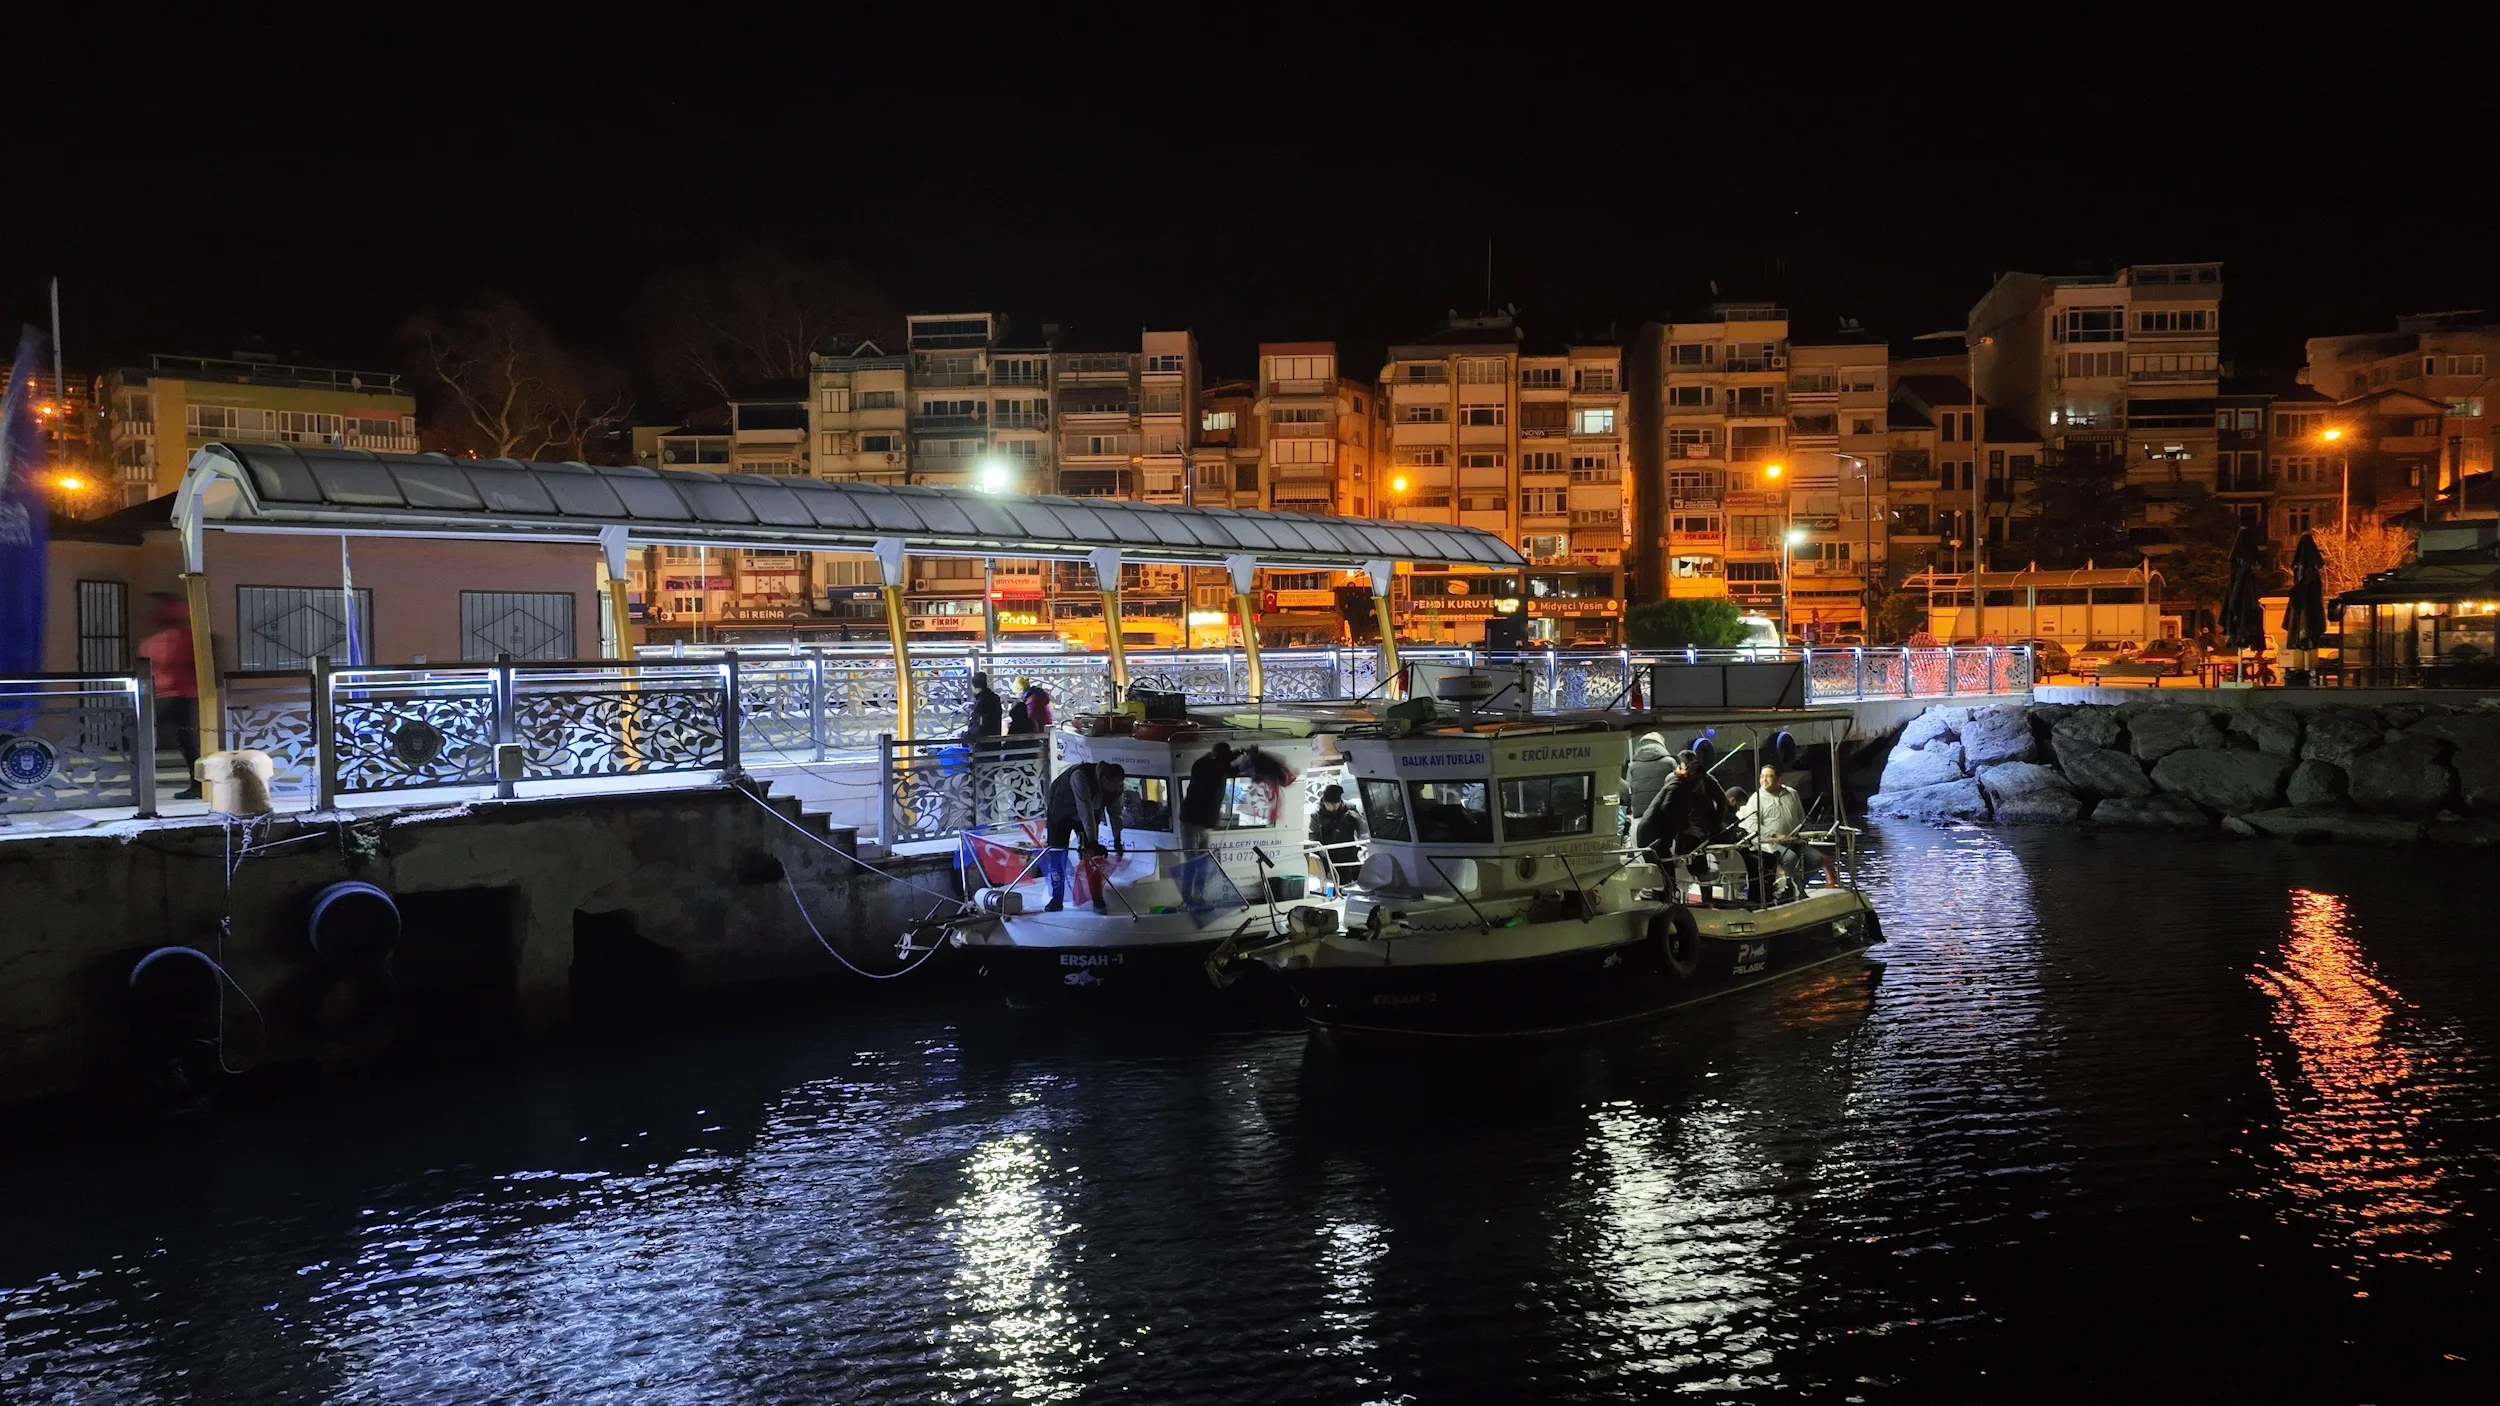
2354,1089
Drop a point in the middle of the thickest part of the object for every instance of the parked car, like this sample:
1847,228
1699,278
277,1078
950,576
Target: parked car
2048,657
2097,655
2170,656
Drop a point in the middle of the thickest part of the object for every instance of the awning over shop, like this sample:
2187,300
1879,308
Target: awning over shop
291,488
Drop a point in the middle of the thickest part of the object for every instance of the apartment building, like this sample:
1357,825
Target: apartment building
2123,368
1837,494
1484,432
1125,423
2450,358
2301,469
160,413
1712,504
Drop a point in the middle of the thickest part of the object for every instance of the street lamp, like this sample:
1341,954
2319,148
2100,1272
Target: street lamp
2343,510
992,475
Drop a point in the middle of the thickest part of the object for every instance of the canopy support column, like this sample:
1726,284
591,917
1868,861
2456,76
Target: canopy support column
621,620
889,552
1245,574
1382,574
211,700
1106,562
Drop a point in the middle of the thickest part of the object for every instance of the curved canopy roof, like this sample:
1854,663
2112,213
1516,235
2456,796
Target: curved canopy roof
284,486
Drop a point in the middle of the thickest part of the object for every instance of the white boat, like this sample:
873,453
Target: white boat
1164,909
1497,897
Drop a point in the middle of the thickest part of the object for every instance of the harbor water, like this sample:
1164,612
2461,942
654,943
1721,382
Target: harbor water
2113,1115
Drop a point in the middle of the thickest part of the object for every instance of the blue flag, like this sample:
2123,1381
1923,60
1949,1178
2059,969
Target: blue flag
22,515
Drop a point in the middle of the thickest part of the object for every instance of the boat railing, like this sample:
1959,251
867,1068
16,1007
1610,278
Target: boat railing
1025,838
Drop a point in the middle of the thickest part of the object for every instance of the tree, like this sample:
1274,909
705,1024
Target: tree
2373,547
1898,615
2084,503
502,386
757,316
2200,570
1712,623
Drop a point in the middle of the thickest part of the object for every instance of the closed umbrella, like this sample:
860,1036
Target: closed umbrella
2304,615
2243,619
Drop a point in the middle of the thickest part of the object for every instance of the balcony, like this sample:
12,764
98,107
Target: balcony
1431,375
932,423
1737,365
950,378
1028,420
1300,429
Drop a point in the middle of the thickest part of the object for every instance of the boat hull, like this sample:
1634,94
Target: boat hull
1561,992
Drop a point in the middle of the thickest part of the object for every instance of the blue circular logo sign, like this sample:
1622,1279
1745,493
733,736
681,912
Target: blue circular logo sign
26,762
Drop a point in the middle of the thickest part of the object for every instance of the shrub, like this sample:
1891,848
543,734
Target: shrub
1713,623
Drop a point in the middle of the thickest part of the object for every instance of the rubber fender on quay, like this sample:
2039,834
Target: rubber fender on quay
1678,940
174,992
353,921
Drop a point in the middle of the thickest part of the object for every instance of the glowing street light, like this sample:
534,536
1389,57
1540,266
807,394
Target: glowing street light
2331,435
993,476
1398,484
70,483
1771,470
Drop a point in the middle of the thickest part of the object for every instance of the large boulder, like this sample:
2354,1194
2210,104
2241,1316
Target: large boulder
2164,728
2099,771
2218,778
2309,823
2101,727
2150,813
1910,768
2046,716
1934,725
2337,735
2026,793
2273,731
2402,715
2316,784
1994,735
2465,834
2404,777
2478,778
2479,729
1952,800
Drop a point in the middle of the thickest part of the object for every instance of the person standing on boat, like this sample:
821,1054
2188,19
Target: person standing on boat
984,722
1081,799
1772,817
1338,830
1646,778
1202,810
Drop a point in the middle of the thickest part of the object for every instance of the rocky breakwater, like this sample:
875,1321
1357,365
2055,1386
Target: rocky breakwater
2390,775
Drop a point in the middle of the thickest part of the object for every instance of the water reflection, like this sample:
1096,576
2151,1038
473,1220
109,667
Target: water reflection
1013,1328
2355,1086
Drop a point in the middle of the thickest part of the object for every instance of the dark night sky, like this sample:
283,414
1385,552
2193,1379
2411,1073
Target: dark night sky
317,200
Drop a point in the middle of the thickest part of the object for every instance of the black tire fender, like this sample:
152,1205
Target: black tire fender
1677,940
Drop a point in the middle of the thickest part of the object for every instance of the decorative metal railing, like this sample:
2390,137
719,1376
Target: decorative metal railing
931,790
77,742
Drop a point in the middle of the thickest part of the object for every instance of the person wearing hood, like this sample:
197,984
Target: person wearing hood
1686,811
1645,775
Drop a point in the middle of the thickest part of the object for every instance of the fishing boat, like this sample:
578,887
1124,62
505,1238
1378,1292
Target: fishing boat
1139,923
1497,897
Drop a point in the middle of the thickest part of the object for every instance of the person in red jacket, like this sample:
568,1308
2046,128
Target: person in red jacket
168,652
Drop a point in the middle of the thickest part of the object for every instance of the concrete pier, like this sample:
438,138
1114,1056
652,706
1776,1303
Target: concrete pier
520,919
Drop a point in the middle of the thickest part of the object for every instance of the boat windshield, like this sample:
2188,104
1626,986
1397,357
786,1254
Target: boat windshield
1384,810
1146,803
1541,807
1452,812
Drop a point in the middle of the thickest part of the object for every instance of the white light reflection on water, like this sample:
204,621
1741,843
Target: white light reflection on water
1348,1252
2355,1083
1686,1220
1014,1333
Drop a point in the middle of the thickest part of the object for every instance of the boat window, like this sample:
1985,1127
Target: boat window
1146,803
1538,807
1457,812
1250,803
1384,809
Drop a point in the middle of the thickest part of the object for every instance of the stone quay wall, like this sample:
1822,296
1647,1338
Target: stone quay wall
519,920
2388,773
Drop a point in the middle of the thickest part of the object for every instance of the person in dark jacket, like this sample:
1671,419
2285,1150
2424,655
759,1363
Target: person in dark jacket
1339,831
1202,810
1081,799
1644,776
984,721
1686,812
1019,720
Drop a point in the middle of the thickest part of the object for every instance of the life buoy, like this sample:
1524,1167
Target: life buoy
173,991
1677,939
353,921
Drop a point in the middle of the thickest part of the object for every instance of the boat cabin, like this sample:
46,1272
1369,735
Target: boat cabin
1261,815
1484,812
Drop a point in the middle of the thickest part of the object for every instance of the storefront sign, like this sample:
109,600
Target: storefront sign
854,594
1573,607
701,583
764,614
1301,600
